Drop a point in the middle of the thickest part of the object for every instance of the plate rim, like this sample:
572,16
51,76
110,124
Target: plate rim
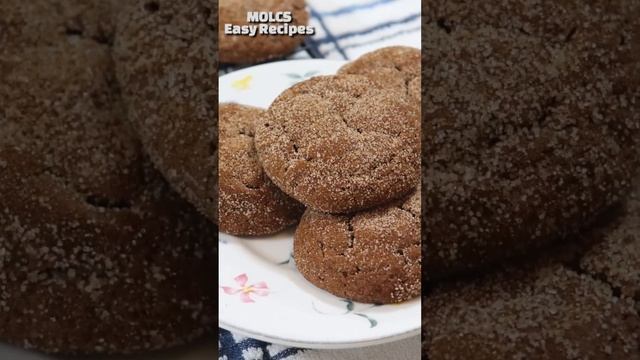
321,345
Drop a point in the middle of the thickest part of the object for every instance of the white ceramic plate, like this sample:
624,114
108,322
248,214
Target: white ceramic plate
261,293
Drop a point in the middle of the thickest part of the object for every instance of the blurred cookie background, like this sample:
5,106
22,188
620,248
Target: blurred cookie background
99,255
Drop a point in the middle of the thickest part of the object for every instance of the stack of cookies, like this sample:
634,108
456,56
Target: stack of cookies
346,147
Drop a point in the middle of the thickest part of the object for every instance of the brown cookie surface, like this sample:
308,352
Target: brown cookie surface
250,204
340,143
237,49
577,300
166,66
29,23
97,254
397,67
532,312
372,256
534,137
615,252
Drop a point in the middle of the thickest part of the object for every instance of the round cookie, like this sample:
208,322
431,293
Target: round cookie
166,66
397,67
97,254
250,204
340,143
235,49
373,256
534,138
530,312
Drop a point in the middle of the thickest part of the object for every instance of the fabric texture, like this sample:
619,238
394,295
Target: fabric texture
345,29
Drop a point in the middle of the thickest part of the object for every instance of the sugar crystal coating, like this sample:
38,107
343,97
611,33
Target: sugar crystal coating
372,256
250,204
340,143
531,123
97,253
166,65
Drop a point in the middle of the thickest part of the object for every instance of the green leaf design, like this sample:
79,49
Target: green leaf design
372,322
294,76
310,74
349,305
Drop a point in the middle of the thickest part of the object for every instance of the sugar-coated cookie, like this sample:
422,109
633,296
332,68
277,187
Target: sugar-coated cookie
97,253
372,256
166,65
397,67
531,121
250,204
340,143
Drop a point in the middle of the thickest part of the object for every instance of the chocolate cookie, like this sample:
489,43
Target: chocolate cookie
531,123
614,254
340,143
250,204
533,312
39,22
396,67
241,49
166,66
372,256
97,254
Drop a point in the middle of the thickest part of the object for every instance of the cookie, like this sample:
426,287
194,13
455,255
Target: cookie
241,49
97,253
250,204
166,66
340,143
373,256
397,67
533,138
38,22
531,312
614,254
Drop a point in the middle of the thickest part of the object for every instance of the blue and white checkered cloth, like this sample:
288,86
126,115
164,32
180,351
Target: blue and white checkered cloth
345,29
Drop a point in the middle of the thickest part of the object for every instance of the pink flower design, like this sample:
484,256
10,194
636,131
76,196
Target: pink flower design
245,291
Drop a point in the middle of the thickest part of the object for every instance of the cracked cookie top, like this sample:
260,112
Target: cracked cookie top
250,204
531,123
340,143
372,256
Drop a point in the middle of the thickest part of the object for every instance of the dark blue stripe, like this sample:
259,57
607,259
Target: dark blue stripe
390,36
329,37
366,31
351,8
311,48
228,346
285,354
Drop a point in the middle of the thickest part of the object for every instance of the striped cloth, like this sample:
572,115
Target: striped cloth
345,29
